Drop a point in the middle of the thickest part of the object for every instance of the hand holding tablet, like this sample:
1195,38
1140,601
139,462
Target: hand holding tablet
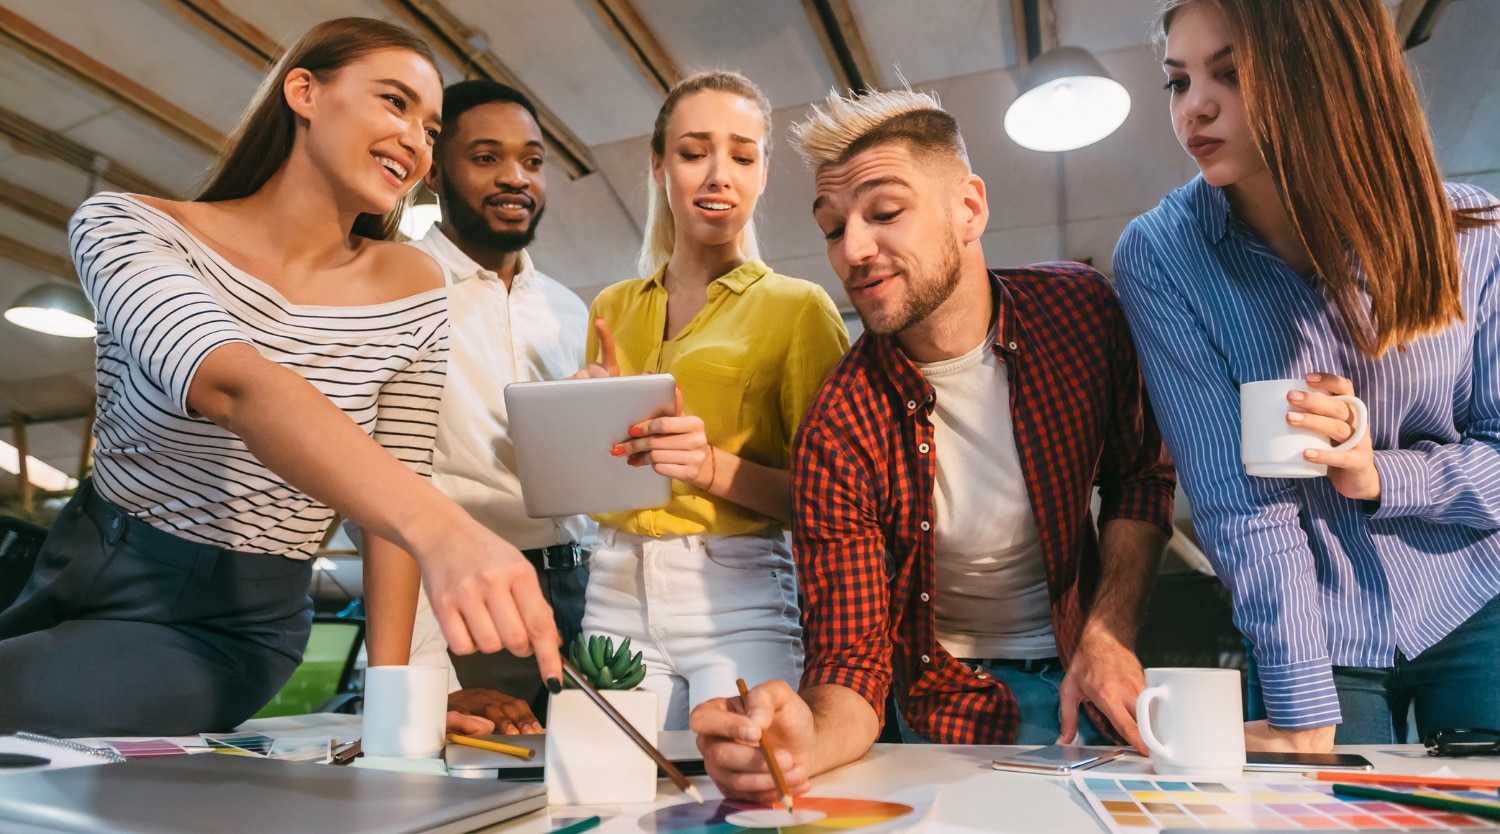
564,431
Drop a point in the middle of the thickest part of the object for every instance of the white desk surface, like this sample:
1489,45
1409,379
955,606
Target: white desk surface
972,797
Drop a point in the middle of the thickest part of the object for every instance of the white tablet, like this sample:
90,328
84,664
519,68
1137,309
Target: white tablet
563,432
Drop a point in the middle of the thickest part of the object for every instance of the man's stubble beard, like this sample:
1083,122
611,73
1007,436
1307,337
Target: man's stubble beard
927,294
472,226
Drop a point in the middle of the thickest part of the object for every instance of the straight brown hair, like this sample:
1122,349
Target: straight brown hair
1343,133
262,141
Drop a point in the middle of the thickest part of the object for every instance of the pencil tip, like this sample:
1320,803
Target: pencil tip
692,790
786,799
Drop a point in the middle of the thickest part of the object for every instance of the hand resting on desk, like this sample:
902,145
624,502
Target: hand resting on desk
478,707
1262,737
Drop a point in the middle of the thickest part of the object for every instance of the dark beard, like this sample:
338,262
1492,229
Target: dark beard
471,225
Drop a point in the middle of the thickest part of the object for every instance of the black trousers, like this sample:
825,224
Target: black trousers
124,629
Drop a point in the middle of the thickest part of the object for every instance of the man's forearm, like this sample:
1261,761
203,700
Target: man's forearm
1130,554
846,726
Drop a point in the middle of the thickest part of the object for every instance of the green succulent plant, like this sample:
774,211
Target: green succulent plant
605,666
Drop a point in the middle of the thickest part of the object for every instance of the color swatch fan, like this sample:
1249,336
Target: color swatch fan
1129,805
814,815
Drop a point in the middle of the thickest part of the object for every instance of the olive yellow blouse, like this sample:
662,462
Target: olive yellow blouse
748,365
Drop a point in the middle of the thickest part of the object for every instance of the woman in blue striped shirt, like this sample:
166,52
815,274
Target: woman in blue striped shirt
265,358
1319,242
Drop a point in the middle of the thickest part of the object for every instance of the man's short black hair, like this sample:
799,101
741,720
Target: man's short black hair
464,96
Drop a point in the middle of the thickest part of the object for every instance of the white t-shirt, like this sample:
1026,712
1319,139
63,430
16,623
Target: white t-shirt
533,331
991,592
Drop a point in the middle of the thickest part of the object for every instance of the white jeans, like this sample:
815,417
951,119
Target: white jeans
702,610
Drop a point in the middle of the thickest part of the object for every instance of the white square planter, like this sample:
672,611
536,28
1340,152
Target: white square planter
590,761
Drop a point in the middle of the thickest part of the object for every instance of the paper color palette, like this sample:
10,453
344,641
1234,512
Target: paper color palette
713,817
1152,804
147,748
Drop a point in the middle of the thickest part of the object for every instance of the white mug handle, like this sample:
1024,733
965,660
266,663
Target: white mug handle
1361,422
1143,720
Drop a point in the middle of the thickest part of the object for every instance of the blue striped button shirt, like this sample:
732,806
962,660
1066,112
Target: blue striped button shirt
1320,580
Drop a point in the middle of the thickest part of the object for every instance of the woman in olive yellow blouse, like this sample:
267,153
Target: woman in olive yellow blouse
705,587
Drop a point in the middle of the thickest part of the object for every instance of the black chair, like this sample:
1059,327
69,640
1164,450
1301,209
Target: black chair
20,542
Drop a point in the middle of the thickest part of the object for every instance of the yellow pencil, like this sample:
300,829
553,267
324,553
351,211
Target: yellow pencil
498,747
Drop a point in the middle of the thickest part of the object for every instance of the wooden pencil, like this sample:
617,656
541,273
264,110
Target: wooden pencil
769,752
493,746
640,741
1456,783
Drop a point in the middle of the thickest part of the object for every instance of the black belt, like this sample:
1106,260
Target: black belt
557,557
1033,665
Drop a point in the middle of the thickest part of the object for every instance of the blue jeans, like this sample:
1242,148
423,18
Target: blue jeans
1037,700
1454,684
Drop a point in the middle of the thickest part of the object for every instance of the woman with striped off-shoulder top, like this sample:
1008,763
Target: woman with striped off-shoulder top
1320,243
264,358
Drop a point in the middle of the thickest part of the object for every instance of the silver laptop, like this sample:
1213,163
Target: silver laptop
563,431
212,792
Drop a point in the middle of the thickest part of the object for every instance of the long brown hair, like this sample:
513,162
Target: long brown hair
262,141
1343,133
661,229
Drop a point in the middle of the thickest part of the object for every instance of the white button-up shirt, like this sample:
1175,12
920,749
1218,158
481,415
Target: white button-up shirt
533,331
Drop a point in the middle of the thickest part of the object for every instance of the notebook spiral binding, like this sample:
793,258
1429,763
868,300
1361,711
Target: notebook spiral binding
102,752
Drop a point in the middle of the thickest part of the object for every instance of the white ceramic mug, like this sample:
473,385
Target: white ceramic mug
1192,722
406,711
1272,448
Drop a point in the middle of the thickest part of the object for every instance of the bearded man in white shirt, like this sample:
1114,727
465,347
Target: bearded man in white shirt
508,323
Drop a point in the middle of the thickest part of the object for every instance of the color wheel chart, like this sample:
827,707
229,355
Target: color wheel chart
1151,804
814,815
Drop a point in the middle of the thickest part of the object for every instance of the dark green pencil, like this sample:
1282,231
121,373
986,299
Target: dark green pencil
1488,810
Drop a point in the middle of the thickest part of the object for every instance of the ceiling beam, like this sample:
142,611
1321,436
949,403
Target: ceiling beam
1415,20
838,33
38,259
1018,26
34,205
231,31
469,50
630,30
32,139
67,60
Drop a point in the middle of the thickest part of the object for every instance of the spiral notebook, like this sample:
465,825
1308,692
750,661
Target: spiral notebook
60,752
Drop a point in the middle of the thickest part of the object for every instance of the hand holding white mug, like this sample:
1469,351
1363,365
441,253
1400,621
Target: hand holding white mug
1351,465
1289,428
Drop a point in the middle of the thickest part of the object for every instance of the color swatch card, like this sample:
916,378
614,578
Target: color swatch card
1131,805
147,748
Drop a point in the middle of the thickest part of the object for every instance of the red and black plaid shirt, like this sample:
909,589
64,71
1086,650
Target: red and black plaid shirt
862,492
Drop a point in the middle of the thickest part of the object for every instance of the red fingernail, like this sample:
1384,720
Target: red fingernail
635,431
617,450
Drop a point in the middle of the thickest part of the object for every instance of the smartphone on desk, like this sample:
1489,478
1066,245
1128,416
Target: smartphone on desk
1306,761
1057,759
